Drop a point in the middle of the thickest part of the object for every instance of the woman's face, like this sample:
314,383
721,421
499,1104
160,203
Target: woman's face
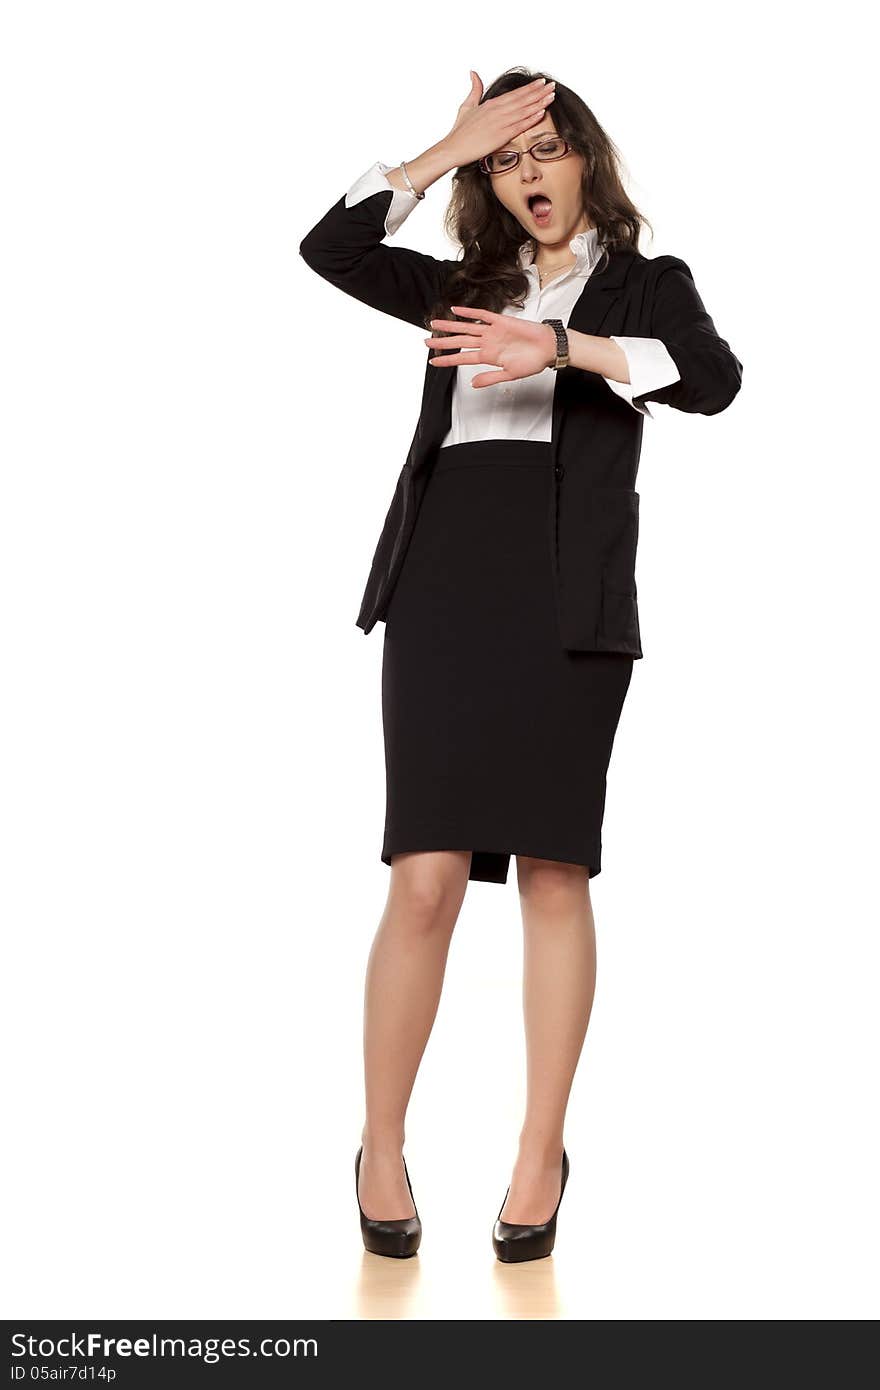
559,180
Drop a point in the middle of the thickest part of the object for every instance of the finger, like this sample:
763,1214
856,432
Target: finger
543,101
525,93
455,342
525,122
475,313
461,359
523,119
490,379
451,326
527,99
533,110
534,113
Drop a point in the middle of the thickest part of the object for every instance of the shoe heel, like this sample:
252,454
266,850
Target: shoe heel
398,1239
514,1243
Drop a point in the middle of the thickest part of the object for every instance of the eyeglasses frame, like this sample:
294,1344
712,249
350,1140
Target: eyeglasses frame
496,173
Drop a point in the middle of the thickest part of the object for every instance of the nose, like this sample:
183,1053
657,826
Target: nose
529,165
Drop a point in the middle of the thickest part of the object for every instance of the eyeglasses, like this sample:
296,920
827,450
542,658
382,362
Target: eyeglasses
553,147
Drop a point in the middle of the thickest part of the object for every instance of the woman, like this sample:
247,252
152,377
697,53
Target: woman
508,595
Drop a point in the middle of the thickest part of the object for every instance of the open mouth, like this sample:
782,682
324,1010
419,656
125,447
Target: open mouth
540,208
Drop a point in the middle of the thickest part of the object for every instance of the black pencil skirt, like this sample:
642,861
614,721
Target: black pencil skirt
497,740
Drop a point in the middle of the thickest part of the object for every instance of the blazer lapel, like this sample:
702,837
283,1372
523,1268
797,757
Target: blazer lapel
603,287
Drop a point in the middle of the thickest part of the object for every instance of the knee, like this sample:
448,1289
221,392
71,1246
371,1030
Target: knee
550,884
426,895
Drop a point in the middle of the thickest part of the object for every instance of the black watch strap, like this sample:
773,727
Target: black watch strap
561,342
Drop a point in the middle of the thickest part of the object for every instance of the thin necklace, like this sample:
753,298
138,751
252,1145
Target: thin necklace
542,274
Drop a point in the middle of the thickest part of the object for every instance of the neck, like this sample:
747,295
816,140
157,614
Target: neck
557,254
553,257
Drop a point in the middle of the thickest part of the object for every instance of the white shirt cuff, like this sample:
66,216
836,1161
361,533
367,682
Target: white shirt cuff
650,367
374,181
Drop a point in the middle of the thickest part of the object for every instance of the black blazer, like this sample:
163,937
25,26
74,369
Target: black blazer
593,519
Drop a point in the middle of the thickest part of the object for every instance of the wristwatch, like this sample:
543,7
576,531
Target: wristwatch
561,343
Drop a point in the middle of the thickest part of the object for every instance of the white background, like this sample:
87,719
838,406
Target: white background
192,761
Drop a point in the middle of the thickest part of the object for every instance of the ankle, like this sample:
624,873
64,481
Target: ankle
382,1143
537,1151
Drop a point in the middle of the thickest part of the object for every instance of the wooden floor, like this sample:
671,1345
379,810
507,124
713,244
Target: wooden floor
479,1286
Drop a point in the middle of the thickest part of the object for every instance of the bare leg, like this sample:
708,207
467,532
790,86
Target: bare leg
559,981
404,980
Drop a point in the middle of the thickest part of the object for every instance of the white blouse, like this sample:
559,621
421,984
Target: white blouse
523,409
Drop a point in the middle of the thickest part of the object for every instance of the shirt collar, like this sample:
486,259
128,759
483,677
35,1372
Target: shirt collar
586,247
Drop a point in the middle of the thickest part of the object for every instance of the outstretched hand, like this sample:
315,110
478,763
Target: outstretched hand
517,347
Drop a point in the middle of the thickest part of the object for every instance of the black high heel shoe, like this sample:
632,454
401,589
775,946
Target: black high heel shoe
513,1242
399,1238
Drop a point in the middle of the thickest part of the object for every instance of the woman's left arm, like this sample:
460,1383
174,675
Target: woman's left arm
709,374
632,367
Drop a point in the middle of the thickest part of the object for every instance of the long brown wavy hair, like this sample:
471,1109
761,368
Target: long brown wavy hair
488,276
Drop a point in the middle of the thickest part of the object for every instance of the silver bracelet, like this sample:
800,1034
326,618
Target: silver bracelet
408,181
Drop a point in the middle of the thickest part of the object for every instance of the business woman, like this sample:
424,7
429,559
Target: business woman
504,674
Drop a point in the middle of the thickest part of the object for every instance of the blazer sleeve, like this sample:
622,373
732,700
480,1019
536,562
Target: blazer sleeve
650,367
709,374
345,248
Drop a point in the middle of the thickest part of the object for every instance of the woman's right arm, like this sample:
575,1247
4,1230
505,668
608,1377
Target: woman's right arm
345,246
